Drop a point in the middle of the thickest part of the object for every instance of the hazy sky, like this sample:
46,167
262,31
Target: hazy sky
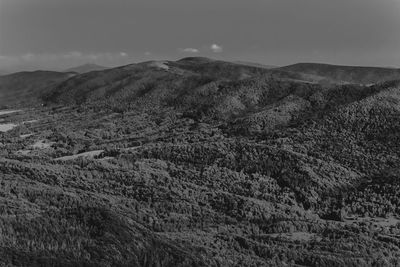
56,34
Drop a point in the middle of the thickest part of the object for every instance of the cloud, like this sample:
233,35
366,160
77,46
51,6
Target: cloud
123,54
190,50
147,53
216,48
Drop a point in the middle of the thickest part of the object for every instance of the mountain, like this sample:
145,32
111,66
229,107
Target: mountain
163,81
208,88
259,65
124,82
157,80
345,74
86,68
25,88
201,162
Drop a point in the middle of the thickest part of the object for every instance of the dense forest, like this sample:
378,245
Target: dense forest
201,163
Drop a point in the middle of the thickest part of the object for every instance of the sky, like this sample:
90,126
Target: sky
58,34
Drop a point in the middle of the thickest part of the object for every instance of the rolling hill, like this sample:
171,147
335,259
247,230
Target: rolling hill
25,88
200,162
166,81
86,68
157,80
259,65
3,72
345,74
204,88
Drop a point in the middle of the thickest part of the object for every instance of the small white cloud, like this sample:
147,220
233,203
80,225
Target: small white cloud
147,53
123,54
216,48
190,50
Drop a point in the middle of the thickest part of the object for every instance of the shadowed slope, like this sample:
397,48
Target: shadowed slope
24,88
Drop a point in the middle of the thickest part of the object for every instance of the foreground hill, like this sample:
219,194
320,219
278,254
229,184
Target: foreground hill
86,68
346,74
25,88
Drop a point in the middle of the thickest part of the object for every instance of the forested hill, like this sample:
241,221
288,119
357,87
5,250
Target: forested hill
199,162
346,74
26,88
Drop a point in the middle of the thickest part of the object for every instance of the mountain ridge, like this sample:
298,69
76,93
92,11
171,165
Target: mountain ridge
88,67
349,74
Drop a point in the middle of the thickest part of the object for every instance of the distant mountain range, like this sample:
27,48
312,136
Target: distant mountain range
86,68
171,79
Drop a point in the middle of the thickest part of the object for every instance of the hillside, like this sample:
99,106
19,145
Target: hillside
86,68
248,96
155,79
25,88
163,82
123,83
199,162
259,65
346,74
